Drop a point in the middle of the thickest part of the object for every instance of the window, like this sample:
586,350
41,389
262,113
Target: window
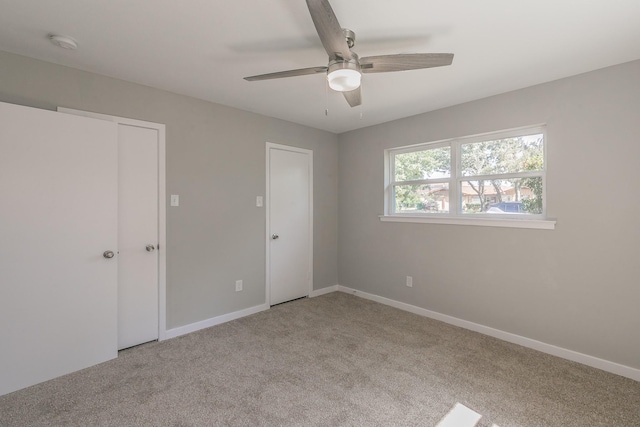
498,176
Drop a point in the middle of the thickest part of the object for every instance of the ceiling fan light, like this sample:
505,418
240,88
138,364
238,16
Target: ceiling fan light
344,76
344,79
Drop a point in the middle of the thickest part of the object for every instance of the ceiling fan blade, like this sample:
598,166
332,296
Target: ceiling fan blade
402,62
353,97
329,30
290,73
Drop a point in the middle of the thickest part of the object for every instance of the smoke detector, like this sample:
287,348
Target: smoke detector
64,42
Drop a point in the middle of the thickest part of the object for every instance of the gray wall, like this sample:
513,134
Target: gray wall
216,163
576,287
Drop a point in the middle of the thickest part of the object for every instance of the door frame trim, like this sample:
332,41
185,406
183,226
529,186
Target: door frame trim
309,154
162,205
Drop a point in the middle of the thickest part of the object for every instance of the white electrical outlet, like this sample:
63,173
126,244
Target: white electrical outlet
238,285
410,281
175,200
259,201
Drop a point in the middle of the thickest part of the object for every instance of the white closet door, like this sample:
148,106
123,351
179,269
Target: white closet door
141,261
58,207
137,235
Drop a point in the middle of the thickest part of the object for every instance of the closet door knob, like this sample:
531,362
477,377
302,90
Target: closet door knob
108,254
150,248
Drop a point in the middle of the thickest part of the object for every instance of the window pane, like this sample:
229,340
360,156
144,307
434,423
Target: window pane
425,164
509,155
424,198
503,196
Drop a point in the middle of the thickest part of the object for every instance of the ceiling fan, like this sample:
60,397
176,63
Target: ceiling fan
345,68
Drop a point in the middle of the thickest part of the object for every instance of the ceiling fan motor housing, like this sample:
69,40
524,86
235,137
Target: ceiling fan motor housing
350,36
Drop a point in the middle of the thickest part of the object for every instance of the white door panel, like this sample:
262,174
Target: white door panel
138,228
290,227
58,207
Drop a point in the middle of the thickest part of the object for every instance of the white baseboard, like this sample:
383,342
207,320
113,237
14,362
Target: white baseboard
585,359
187,329
327,290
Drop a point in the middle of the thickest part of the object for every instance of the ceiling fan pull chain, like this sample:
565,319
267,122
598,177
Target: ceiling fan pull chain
326,97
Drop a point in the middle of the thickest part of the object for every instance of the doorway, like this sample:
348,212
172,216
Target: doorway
141,254
289,223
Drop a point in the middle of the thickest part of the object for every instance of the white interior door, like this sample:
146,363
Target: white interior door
141,228
290,207
137,235
58,205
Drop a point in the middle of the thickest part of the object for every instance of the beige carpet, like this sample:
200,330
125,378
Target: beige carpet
334,360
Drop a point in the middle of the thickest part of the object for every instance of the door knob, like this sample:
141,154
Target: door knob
275,236
150,248
108,254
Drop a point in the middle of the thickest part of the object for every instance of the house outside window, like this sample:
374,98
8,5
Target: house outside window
496,175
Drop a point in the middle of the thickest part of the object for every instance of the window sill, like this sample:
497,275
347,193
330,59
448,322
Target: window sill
539,224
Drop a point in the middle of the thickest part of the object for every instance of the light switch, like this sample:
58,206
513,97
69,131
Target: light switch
259,201
175,200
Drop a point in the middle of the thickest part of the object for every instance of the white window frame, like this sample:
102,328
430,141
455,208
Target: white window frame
455,215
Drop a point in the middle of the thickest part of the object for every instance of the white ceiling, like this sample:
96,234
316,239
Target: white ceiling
203,48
